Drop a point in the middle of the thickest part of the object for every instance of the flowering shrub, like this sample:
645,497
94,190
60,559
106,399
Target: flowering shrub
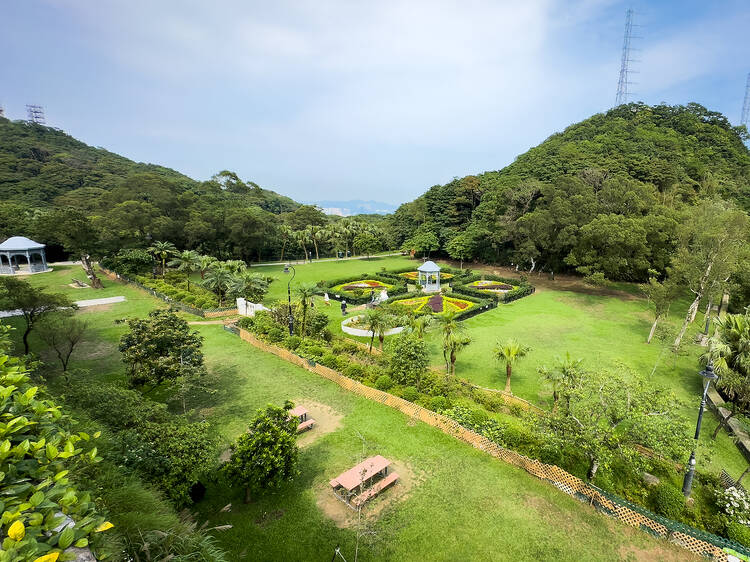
413,275
491,286
361,286
734,503
435,304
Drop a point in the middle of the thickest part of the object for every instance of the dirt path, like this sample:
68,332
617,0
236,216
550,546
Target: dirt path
562,282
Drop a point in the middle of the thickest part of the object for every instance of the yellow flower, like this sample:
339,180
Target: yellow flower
103,527
51,557
17,531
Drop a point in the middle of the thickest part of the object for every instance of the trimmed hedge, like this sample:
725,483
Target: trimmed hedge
480,304
399,287
523,289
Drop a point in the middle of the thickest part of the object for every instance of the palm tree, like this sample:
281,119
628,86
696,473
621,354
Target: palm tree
510,352
187,261
234,266
286,235
250,286
566,373
453,343
205,263
315,234
306,291
450,327
373,318
300,236
419,324
162,250
729,351
217,280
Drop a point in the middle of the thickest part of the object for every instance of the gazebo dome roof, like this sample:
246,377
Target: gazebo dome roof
429,267
19,243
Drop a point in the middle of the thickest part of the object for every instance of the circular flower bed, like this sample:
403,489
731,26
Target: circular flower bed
435,304
491,286
356,327
362,285
413,275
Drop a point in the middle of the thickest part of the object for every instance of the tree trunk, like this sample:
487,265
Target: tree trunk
247,494
453,363
26,338
694,306
742,476
462,264
508,371
372,339
653,329
555,398
688,319
381,337
90,273
315,242
187,277
592,469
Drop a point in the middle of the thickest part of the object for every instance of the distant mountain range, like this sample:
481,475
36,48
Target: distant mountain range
354,207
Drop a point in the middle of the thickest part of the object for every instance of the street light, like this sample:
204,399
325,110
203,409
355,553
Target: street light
709,375
287,267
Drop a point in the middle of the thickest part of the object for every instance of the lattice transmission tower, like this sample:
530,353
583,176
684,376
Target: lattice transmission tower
746,104
624,82
35,114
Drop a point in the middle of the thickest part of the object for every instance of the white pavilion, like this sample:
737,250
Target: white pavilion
18,248
428,276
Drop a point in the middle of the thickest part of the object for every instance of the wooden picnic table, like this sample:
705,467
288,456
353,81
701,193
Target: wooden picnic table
363,472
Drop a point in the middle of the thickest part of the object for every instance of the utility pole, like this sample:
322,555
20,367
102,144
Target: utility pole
625,71
35,114
746,103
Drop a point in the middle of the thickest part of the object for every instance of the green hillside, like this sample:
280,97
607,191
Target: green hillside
621,179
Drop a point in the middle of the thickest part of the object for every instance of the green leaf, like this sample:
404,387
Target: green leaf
51,451
36,498
82,543
66,538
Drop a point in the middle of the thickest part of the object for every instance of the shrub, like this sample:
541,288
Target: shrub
384,382
408,359
292,342
118,407
330,361
739,533
667,500
438,403
189,299
479,416
410,393
276,334
355,371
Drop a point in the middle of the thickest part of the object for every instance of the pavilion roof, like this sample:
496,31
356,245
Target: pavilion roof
429,267
18,243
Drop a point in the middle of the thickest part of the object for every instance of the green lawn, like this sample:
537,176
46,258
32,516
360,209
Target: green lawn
461,504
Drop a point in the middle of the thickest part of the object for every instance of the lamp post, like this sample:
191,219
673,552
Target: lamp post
709,375
287,267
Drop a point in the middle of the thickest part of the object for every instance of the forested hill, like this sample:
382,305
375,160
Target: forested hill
605,195
44,166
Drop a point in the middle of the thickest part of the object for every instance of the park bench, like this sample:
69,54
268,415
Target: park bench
305,425
375,489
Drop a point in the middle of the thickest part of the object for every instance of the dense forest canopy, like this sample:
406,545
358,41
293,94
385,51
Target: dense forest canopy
49,179
606,195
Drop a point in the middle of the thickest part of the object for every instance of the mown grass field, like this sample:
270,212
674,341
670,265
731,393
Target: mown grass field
456,503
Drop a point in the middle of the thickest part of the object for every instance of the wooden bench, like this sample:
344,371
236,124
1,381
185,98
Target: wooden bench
375,489
305,425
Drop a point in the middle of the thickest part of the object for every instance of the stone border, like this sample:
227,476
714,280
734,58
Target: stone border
365,333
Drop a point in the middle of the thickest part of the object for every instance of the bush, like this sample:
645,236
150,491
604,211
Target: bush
118,407
479,416
276,334
739,533
410,393
355,371
384,382
292,342
438,403
408,359
667,500
330,361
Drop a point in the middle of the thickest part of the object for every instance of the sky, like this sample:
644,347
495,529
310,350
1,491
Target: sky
350,99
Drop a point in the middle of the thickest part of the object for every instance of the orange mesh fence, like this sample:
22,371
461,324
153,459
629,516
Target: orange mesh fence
696,541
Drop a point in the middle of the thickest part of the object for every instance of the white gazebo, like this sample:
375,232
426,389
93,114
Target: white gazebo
428,275
21,247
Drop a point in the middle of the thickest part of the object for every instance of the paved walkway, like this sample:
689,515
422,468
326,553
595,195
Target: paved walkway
300,262
81,304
